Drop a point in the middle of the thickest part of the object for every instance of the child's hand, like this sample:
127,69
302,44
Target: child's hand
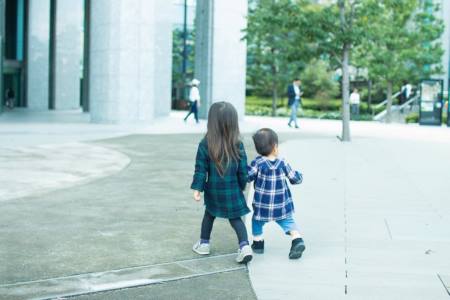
197,196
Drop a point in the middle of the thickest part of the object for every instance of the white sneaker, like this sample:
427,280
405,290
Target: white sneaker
202,249
244,255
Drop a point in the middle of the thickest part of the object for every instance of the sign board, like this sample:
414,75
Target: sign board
431,102
448,103
2,93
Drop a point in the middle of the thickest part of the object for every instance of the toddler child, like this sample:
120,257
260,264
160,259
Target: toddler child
272,200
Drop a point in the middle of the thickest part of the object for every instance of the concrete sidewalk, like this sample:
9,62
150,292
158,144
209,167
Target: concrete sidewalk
133,228
376,220
375,213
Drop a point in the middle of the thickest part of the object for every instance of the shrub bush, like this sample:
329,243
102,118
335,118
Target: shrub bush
254,103
412,118
317,81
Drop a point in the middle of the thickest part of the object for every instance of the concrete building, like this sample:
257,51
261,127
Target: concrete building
113,58
444,14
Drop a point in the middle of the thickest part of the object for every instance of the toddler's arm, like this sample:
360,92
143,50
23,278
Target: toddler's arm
294,177
252,171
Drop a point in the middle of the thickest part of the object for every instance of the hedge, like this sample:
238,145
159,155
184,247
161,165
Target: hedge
312,107
414,118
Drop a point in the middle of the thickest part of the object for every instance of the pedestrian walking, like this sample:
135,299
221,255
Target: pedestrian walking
9,98
405,92
194,99
272,200
221,174
294,100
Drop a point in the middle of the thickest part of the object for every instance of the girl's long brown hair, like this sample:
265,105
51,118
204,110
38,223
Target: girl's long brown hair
223,135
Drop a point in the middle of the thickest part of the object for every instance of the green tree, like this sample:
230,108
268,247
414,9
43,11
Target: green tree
342,28
277,44
178,78
403,43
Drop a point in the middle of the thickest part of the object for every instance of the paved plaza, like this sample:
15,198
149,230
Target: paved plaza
105,212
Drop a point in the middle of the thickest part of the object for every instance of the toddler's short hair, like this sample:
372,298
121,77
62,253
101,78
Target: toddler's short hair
265,140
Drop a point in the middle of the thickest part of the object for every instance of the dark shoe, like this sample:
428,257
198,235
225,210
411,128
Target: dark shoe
297,248
296,126
258,247
289,124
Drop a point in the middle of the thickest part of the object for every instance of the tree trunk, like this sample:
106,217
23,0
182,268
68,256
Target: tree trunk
345,95
389,102
345,76
274,86
369,99
274,101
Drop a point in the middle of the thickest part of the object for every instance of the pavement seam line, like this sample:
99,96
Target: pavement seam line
443,284
388,228
144,284
115,270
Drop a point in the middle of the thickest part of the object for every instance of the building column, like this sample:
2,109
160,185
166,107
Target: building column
38,54
125,46
220,53
68,54
2,34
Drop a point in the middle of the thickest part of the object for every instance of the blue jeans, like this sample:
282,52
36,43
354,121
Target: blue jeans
354,108
294,109
287,225
194,110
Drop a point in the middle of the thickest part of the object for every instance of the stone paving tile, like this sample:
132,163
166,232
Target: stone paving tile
119,279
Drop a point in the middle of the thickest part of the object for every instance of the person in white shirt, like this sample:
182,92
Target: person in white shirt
355,100
194,99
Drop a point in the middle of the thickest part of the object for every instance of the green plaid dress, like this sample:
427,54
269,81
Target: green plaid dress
224,196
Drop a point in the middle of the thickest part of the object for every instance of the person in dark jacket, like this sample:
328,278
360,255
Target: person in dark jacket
221,173
294,100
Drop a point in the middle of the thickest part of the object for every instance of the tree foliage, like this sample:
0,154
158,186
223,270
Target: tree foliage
179,79
395,40
278,45
317,81
403,45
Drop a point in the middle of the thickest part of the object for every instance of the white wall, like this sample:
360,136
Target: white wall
163,57
69,55
220,52
38,54
230,53
130,56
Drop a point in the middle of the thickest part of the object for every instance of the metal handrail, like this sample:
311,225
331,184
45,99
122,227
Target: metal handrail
413,99
385,101
381,115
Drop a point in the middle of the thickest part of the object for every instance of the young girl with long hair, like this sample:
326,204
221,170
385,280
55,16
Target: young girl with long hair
221,173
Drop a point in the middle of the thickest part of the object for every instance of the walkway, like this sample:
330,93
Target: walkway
375,213
376,220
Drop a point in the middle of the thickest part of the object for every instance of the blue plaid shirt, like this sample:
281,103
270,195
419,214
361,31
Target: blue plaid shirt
272,200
